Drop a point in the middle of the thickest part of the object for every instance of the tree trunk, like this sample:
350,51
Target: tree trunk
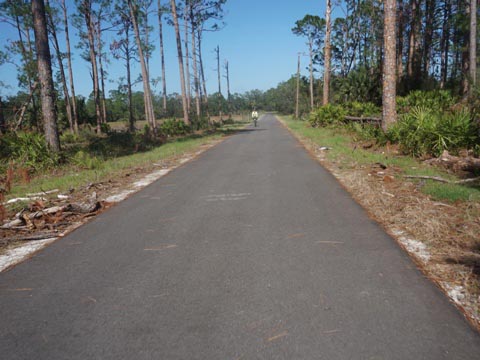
466,67
310,46
202,72
430,11
414,59
217,50
131,119
162,58
147,94
70,70
58,53
45,75
445,44
187,61
297,97
180,62
401,27
196,79
102,73
389,68
26,55
328,52
473,44
87,9
227,70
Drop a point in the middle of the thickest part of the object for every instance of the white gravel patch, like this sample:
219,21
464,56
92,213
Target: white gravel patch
20,253
415,247
150,178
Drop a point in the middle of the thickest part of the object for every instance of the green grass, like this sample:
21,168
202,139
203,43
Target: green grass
346,155
68,177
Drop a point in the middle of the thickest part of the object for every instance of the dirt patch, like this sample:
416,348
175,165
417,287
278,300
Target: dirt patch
443,239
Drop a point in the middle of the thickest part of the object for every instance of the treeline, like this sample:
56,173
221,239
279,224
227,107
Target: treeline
135,40
434,43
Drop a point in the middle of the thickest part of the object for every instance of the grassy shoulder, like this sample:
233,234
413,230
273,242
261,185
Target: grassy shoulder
98,169
344,150
438,224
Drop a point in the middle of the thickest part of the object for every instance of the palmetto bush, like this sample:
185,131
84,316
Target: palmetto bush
327,115
27,149
425,131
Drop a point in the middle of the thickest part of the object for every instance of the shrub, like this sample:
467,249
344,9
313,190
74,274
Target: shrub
86,161
426,131
437,100
28,150
327,115
356,108
173,127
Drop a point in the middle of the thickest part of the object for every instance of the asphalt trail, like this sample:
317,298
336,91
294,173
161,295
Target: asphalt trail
251,251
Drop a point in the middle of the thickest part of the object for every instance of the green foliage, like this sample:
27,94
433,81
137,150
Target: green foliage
362,85
438,100
86,161
28,150
327,115
427,132
172,127
356,108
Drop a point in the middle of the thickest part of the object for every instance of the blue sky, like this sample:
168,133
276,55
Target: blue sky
257,41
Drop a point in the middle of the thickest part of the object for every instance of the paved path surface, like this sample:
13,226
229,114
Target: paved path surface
252,251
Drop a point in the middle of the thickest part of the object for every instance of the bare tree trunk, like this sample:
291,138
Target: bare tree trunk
473,44
162,57
147,94
70,70
217,50
196,79
180,62
445,44
389,68
298,89
25,56
227,70
45,75
310,46
466,67
187,60
102,73
131,119
413,61
401,27
328,54
87,9
58,53
202,72
430,10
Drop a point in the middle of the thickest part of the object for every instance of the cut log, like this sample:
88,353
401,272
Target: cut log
84,208
456,163
364,120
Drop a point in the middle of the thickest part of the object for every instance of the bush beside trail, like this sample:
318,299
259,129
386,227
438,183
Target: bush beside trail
428,123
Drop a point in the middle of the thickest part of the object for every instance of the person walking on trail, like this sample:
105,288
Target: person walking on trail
255,117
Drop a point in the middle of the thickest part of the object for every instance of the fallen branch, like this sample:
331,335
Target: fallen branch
364,120
440,179
40,236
